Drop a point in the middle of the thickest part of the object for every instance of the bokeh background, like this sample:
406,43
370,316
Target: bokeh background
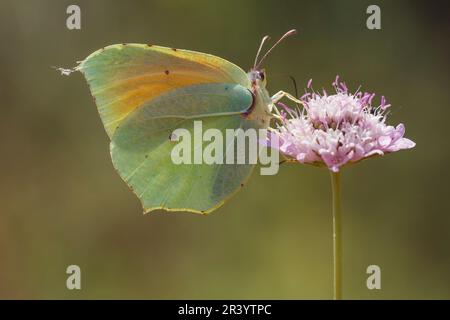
62,203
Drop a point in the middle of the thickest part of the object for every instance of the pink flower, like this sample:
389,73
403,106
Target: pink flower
336,129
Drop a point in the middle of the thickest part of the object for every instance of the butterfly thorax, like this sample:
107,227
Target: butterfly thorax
260,110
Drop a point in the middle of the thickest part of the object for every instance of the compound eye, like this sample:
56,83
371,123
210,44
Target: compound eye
261,75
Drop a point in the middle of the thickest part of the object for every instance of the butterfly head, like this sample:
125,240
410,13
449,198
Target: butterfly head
257,75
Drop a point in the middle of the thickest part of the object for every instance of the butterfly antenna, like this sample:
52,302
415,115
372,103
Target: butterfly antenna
287,34
259,49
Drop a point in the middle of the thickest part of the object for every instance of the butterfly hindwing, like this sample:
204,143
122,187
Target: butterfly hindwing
141,147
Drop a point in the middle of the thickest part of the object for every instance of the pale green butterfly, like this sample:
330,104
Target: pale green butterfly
144,92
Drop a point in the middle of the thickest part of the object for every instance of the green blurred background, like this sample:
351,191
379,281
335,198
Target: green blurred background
62,203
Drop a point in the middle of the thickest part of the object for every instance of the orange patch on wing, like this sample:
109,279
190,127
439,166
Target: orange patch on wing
129,94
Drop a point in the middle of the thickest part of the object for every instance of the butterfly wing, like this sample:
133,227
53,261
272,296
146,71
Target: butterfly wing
122,77
143,93
141,148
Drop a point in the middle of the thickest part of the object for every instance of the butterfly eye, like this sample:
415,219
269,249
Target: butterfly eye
261,75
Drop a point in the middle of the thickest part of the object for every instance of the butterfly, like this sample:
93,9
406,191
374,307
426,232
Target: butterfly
143,92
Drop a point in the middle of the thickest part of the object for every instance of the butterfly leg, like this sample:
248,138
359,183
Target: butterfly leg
281,94
277,97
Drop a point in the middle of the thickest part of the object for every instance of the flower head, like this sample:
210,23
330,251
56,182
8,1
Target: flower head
336,129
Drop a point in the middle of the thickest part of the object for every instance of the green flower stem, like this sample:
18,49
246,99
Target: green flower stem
337,236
